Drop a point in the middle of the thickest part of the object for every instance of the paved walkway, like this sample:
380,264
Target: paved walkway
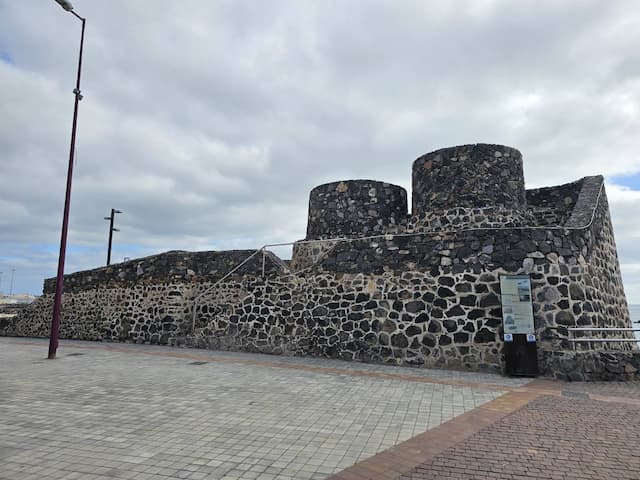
126,411
545,430
117,411
549,438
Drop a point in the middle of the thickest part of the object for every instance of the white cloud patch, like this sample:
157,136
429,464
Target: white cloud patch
208,125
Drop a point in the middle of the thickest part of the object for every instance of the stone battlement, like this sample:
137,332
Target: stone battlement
176,265
374,282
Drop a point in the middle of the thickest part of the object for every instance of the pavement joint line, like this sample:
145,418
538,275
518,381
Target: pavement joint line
613,399
550,437
318,369
400,459
541,386
420,446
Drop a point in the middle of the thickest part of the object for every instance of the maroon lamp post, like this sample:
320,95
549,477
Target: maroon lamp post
57,302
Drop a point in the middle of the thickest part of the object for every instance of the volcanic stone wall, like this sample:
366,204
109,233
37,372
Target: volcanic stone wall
355,208
553,206
143,300
478,185
170,266
468,176
382,318
380,299
592,365
383,288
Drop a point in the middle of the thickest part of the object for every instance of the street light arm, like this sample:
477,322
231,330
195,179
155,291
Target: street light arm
77,16
77,90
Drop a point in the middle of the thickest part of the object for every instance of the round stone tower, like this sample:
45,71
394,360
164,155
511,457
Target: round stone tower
355,208
479,185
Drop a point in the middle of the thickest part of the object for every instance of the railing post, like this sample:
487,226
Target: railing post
193,318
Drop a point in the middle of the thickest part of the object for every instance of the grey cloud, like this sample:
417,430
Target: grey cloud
208,123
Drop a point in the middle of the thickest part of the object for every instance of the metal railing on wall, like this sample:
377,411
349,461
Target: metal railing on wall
589,341
263,250
385,236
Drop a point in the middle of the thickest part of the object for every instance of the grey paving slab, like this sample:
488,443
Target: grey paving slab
487,378
119,415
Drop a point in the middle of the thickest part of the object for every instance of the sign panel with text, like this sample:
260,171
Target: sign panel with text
517,310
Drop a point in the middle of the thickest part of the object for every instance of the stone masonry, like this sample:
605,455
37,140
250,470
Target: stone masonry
373,282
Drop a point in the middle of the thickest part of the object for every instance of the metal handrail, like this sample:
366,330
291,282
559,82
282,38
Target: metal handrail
602,340
224,277
388,236
263,250
591,340
603,329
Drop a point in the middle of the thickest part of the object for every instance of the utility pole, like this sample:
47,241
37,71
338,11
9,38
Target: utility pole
1,281
13,270
111,230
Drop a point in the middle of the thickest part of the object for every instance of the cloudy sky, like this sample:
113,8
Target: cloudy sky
207,122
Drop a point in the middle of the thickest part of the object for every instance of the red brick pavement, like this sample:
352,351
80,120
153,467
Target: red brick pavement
549,438
423,448
545,430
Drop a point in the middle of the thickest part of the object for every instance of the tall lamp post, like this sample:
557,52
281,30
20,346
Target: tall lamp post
57,301
111,230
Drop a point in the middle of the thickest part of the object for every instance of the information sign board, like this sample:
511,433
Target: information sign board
517,310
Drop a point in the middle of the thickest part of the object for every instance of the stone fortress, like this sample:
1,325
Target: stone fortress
372,282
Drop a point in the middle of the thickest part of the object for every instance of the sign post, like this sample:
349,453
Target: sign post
520,350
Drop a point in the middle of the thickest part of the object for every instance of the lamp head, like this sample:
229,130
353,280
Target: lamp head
65,4
117,211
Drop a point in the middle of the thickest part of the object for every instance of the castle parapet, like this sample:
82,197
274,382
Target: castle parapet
477,185
355,208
